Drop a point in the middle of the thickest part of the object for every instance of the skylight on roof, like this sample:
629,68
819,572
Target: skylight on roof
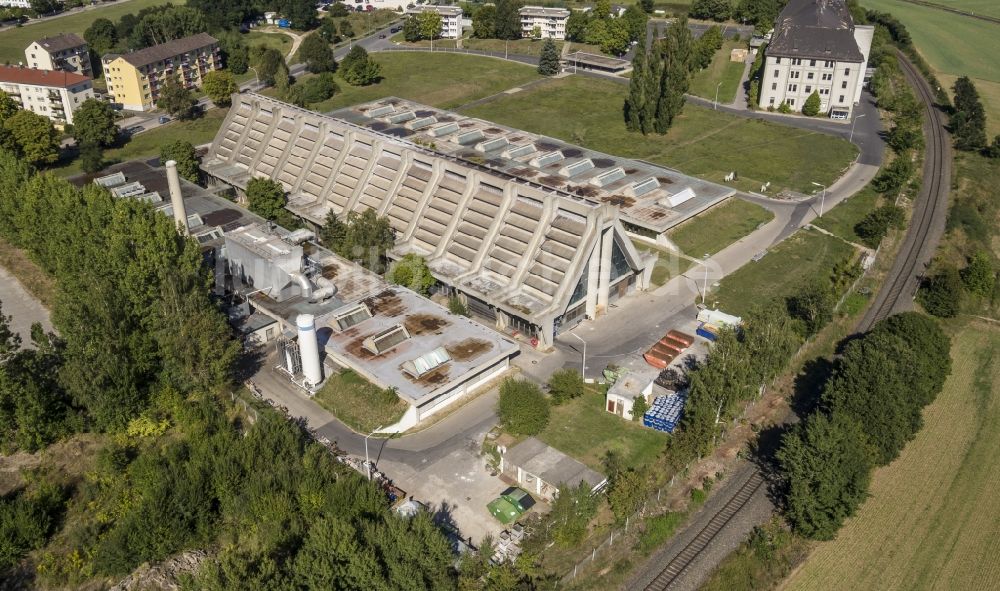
519,151
493,144
581,166
402,117
352,316
387,339
445,129
426,362
380,111
422,122
643,187
603,180
547,158
470,137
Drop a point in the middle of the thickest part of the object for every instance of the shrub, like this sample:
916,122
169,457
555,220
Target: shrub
785,108
411,271
892,178
979,276
639,408
564,385
455,306
522,408
811,106
874,226
941,293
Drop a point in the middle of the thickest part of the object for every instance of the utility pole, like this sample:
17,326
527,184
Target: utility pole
822,202
368,465
716,107
853,123
583,368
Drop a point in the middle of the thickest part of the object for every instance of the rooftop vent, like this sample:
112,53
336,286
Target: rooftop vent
421,122
580,166
130,190
605,179
547,158
111,180
518,151
352,316
380,111
493,144
426,362
151,197
212,234
643,187
680,197
401,117
470,137
443,130
387,339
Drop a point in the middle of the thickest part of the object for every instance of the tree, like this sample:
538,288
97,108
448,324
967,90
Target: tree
639,407
412,272
827,470
359,69
564,385
635,103
874,226
43,7
8,107
338,10
522,408
411,29
626,493
548,61
346,29
177,100
892,177
923,335
362,237
572,510
941,293
705,47
760,13
716,10
576,26
647,6
993,151
168,23
968,121
430,25
265,197
91,158
314,90
612,35
978,276
183,153
301,13
508,20
101,36
812,305
675,77
484,22
235,53
811,107
220,86
636,19
94,124
268,64
317,55
35,137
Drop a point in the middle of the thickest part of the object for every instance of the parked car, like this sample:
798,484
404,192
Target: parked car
382,36
511,504
164,119
134,129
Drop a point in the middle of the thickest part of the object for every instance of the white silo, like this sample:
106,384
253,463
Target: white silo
309,349
176,197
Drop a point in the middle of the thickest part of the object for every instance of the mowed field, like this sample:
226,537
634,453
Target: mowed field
955,45
984,7
13,41
933,520
702,142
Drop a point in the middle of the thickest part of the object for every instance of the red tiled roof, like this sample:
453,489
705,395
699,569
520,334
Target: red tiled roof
54,78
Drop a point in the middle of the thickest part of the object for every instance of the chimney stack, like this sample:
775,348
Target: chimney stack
176,199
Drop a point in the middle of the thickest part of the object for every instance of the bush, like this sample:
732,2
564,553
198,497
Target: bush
522,408
455,306
874,226
941,293
639,408
785,108
411,272
811,106
892,178
979,277
564,385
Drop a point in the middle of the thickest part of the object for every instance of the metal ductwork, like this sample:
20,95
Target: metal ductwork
303,282
326,290
176,198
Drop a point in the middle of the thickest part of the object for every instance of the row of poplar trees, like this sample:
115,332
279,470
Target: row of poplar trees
660,78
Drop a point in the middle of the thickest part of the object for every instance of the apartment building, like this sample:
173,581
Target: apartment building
136,79
67,52
551,22
451,19
53,94
816,47
15,4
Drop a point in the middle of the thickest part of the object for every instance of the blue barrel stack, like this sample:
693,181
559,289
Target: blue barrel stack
665,412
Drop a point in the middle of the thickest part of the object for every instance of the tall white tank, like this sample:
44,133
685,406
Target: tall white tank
309,349
176,198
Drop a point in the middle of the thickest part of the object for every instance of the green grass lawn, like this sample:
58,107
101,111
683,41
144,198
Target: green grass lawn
517,47
955,45
438,43
841,219
582,429
444,80
805,256
719,227
360,404
721,70
668,263
702,142
147,144
279,41
13,41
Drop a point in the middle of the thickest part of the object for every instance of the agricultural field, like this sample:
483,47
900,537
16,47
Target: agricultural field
13,41
934,513
984,7
955,45
721,70
805,256
444,80
702,142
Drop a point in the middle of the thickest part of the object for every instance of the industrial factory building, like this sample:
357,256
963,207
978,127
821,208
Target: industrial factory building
529,231
322,311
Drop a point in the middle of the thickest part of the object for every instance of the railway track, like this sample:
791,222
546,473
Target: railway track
678,564
930,206
897,292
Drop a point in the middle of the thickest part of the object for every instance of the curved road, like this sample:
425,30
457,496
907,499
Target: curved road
721,526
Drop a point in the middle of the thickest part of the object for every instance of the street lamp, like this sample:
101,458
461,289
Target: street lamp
853,123
256,78
704,285
368,465
583,369
716,107
822,202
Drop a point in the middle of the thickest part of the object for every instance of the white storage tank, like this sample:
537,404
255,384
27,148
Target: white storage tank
309,349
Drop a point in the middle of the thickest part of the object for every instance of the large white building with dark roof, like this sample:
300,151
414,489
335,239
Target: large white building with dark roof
816,47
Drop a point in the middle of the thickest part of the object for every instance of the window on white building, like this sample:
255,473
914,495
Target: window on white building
827,64
772,100
824,91
774,86
791,102
809,75
843,84
809,89
841,99
827,76
777,73
796,62
812,63
847,71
